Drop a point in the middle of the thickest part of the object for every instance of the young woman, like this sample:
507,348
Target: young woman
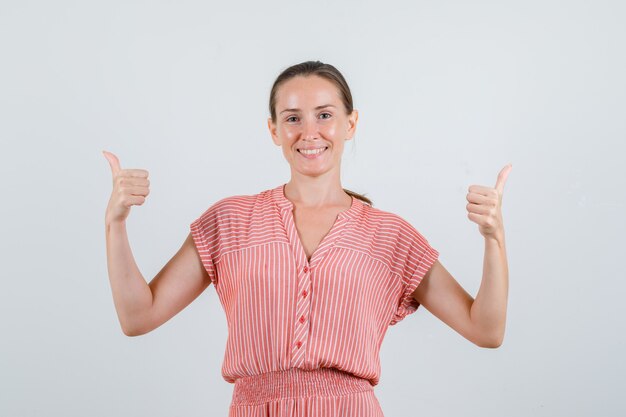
310,275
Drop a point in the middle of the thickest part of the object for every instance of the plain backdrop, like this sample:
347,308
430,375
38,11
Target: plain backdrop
448,92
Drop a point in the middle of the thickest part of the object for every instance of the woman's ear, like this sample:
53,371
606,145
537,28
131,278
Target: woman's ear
272,128
352,119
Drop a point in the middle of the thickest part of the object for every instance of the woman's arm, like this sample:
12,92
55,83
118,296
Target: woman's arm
481,320
488,312
131,294
142,307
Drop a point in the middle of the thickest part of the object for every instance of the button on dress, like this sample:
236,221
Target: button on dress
304,336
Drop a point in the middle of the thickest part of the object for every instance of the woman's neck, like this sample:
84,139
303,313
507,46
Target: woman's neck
317,193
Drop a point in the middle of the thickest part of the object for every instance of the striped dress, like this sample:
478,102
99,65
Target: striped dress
304,336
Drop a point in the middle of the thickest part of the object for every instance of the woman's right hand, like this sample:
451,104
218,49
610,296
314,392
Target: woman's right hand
130,188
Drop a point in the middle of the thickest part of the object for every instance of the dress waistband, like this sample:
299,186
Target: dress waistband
296,382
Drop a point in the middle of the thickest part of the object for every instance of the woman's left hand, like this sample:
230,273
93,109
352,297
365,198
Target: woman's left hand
485,206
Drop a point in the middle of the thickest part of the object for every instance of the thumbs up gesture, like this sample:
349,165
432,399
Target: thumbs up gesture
485,206
130,188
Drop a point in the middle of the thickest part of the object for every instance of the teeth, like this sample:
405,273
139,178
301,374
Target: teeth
312,151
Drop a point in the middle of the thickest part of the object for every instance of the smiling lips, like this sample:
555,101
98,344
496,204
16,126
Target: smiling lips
312,153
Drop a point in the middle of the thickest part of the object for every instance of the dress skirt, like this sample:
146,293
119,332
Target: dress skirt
323,392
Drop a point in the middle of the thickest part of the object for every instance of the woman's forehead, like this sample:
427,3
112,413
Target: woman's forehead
302,92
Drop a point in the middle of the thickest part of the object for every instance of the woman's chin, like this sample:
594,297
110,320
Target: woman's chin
311,171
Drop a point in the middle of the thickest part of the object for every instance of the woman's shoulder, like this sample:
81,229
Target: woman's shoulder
241,203
378,215
387,225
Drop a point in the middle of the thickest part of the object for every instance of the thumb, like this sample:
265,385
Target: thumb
502,176
113,162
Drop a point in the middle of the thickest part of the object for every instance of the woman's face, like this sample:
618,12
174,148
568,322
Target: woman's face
311,116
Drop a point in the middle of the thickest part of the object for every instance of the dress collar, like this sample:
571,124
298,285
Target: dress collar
278,195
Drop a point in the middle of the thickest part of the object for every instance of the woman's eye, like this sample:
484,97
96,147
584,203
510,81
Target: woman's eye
293,118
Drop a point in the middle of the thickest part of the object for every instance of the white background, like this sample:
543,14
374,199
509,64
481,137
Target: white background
448,92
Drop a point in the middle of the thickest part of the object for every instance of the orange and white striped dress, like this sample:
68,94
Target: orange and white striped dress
304,336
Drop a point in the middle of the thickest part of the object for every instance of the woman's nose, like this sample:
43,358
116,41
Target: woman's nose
310,129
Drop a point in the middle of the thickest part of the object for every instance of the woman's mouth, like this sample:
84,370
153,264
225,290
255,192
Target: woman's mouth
312,153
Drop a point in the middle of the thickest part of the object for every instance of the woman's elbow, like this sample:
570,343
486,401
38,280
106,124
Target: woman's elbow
133,331
491,342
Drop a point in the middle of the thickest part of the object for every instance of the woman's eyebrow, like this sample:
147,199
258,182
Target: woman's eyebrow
317,108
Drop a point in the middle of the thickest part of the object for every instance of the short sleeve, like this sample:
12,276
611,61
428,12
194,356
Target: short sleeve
204,231
416,260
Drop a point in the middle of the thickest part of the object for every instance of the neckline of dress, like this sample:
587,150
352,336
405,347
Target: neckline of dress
283,202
